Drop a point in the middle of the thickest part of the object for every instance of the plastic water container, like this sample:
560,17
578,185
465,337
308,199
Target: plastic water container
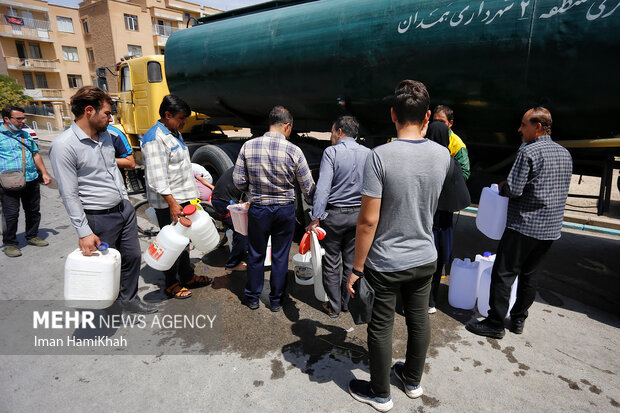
229,236
302,265
463,287
316,257
484,290
168,245
151,216
92,281
492,212
203,233
267,262
239,216
486,260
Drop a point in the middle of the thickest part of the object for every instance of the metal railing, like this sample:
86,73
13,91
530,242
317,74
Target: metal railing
38,110
163,30
31,63
31,28
44,93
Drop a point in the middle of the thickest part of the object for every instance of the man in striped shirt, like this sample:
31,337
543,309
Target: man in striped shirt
537,187
267,168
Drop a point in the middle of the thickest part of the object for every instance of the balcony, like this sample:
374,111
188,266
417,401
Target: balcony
18,63
163,32
44,94
32,29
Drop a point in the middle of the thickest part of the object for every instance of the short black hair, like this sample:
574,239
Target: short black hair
6,111
411,102
88,96
174,105
279,115
447,110
348,124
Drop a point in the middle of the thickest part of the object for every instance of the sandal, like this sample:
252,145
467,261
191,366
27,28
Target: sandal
199,281
176,291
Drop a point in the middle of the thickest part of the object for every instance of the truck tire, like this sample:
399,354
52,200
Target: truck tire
214,159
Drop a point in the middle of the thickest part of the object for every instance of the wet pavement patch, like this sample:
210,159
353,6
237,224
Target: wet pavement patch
571,384
592,387
613,402
277,369
430,401
508,352
258,383
494,344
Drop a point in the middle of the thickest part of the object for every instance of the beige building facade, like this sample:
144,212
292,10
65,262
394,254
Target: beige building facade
53,50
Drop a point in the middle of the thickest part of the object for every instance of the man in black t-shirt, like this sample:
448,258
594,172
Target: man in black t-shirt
224,192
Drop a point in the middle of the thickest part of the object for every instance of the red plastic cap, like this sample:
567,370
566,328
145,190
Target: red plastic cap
189,209
185,221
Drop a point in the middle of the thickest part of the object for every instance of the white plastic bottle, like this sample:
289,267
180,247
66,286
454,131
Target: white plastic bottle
492,212
486,260
203,233
92,281
168,245
302,265
463,287
484,292
316,259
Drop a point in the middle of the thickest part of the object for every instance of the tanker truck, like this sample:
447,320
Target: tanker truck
490,60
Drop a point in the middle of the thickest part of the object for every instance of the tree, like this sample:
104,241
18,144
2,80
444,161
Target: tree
11,92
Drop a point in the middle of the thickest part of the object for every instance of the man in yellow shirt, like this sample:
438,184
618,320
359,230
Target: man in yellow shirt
457,148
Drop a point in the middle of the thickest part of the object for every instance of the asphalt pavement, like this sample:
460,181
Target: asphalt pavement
300,359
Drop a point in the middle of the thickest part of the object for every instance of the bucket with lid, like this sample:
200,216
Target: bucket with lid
168,245
203,232
484,291
92,281
492,212
239,216
302,265
463,288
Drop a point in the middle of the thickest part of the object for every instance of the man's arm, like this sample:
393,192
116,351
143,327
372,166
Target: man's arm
323,189
38,161
364,235
64,165
240,173
304,177
128,162
205,182
513,187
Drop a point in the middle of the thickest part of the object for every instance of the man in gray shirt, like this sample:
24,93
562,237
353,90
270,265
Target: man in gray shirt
394,245
91,187
337,201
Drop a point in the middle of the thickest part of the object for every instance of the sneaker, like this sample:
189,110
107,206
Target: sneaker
252,305
432,310
411,391
327,308
38,242
360,391
275,308
485,328
12,251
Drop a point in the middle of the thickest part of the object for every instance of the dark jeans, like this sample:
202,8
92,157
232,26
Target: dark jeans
414,286
339,245
239,249
120,231
443,234
182,265
517,255
263,221
30,197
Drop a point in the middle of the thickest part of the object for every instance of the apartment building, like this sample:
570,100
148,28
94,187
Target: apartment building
43,49
53,50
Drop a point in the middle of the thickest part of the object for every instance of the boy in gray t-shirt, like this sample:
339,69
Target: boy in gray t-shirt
394,246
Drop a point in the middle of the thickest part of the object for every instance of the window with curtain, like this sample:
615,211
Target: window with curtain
70,53
65,24
35,50
134,50
91,54
131,22
28,80
41,80
75,81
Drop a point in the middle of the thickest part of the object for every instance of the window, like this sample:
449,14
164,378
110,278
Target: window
65,24
28,80
85,26
75,81
35,50
134,50
70,53
41,80
125,79
131,22
153,69
186,17
91,54
21,49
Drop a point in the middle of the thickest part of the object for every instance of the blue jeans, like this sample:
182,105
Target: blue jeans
263,221
240,242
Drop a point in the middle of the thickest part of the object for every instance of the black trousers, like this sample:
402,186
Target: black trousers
339,245
443,234
30,198
517,255
182,265
120,231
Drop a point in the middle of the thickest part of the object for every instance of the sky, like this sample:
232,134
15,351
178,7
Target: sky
216,4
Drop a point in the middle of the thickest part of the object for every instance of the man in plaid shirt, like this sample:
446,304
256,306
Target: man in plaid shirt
537,187
267,168
170,185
